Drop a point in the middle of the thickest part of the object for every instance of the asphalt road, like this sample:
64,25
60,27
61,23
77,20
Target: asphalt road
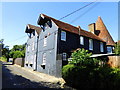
12,77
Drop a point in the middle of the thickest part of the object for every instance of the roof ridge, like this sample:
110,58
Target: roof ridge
74,30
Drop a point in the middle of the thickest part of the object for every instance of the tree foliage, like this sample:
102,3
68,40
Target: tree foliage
82,58
117,49
4,49
18,51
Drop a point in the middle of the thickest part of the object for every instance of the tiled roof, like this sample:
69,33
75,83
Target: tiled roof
103,32
73,29
38,29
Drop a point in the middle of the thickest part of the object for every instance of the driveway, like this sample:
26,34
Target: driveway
14,76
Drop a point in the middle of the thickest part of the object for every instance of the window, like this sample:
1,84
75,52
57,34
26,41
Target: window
101,47
28,48
33,46
64,56
90,44
45,41
45,26
44,59
109,49
81,40
63,35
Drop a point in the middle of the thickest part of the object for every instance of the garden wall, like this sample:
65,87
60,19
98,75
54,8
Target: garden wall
19,61
114,61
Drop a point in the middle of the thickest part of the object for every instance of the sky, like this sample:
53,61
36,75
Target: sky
16,15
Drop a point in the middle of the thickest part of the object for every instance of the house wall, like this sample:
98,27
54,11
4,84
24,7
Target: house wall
30,55
52,65
73,42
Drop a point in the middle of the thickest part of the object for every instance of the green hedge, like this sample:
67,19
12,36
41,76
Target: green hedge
83,77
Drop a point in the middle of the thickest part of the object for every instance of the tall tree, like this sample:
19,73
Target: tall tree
18,51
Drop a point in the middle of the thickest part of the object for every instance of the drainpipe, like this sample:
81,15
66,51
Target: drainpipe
36,53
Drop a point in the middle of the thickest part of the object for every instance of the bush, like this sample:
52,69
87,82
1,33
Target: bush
87,73
3,59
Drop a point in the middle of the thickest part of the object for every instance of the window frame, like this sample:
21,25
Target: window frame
109,47
101,47
81,40
64,56
45,41
90,44
63,35
44,58
33,46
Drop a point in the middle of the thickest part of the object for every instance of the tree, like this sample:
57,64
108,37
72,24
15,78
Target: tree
18,51
4,49
82,58
117,49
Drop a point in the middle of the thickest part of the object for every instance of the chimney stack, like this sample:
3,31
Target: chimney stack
79,29
91,28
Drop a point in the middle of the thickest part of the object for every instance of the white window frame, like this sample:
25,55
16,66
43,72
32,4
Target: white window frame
28,48
109,47
45,41
64,56
81,40
90,44
44,59
63,35
101,47
33,46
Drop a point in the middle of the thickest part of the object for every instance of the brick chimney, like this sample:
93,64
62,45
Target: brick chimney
91,28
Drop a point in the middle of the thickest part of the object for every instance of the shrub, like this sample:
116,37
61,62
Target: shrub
87,73
3,59
82,58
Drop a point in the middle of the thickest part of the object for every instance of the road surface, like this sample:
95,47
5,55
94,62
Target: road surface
16,77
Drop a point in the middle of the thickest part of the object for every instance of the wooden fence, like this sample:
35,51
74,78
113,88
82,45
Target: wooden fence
114,61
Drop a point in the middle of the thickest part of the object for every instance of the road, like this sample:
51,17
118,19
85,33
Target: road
16,77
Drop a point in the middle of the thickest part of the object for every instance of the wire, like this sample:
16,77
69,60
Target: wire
76,10
84,13
18,38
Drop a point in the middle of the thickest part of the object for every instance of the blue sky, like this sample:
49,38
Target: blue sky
16,15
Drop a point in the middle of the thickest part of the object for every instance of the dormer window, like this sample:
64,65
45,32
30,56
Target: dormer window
81,40
46,26
90,44
63,35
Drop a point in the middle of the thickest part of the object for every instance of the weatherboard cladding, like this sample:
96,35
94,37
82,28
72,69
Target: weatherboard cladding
73,29
31,46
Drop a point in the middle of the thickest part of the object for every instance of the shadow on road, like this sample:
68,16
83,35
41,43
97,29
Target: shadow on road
10,80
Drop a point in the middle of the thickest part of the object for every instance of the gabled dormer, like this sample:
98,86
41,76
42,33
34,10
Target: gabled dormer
44,22
32,30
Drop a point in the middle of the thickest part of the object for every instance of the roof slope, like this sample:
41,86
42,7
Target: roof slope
103,32
73,29
38,29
